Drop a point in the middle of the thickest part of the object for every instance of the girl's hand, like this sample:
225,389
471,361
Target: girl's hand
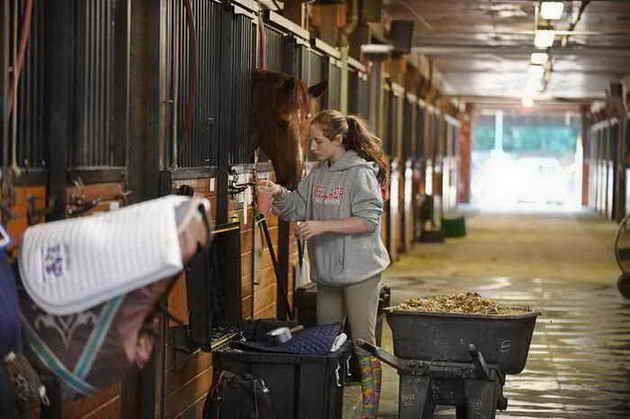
308,229
268,187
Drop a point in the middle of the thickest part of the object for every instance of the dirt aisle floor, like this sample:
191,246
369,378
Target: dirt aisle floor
571,246
562,265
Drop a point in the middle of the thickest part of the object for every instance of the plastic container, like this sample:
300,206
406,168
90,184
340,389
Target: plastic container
302,386
503,340
454,226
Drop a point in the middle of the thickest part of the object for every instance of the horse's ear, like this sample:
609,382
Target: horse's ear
318,89
289,84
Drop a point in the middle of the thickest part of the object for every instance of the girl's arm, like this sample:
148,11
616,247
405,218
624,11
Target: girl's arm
367,201
290,206
351,225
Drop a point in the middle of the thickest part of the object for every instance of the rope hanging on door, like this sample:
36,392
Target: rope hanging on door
262,44
192,86
17,69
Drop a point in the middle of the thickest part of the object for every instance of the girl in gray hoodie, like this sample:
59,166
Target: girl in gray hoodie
338,207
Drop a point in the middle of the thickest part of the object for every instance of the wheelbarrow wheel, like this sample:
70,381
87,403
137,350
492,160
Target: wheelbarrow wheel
623,285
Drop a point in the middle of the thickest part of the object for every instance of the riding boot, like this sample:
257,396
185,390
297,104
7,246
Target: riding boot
369,394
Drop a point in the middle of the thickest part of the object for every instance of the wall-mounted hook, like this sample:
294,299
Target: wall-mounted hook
33,214
123,196
185,190
7,193
6,213
78,205
234,188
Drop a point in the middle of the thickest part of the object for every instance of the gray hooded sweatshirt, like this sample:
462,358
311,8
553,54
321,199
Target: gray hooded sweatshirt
348,188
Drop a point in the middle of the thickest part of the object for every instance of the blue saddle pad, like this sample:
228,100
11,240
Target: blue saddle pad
316,340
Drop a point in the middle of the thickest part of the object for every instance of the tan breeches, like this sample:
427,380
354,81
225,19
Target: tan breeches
359,303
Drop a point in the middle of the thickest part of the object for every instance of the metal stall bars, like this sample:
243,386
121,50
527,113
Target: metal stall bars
595,149
383,125
358,95
22,134
26,132
98,150
329,69
90,118
194,143
209,52
102,75
613,144
410,109
419,166
395,125
450,163
625,162
5,64
218,132
603,147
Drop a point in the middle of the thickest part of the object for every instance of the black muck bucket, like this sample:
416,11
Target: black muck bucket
456,360
503,340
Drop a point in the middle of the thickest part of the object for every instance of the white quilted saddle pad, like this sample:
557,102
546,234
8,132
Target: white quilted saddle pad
72,265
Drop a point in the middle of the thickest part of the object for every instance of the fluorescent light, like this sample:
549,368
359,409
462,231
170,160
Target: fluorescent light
376,48
535,78
539,58
527,101
544,38
551,10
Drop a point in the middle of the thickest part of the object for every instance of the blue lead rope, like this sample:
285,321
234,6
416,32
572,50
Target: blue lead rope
76,380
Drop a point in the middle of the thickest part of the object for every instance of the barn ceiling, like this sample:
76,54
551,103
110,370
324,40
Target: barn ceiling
483,47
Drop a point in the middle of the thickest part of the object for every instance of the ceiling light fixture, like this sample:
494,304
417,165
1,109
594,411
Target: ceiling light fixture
551,10
535,79
544,38
539,58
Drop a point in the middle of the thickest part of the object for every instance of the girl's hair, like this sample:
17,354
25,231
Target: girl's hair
355,136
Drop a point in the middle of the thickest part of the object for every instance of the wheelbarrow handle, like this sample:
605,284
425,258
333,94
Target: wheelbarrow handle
386,357
480,362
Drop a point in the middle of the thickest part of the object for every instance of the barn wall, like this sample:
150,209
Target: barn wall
126,114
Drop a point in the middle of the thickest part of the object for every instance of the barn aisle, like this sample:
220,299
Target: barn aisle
561,264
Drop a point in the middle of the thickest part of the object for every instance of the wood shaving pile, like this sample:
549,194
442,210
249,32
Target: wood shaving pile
468,302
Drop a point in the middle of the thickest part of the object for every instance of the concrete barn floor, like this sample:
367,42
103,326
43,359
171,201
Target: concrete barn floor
560,264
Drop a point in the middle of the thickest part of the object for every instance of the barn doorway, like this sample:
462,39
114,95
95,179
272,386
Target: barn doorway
526,160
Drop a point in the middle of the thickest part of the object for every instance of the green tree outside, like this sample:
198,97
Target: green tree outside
518,139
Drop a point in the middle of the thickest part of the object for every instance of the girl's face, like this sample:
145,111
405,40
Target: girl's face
322,147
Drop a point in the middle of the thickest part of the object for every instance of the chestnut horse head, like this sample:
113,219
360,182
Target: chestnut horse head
282,109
